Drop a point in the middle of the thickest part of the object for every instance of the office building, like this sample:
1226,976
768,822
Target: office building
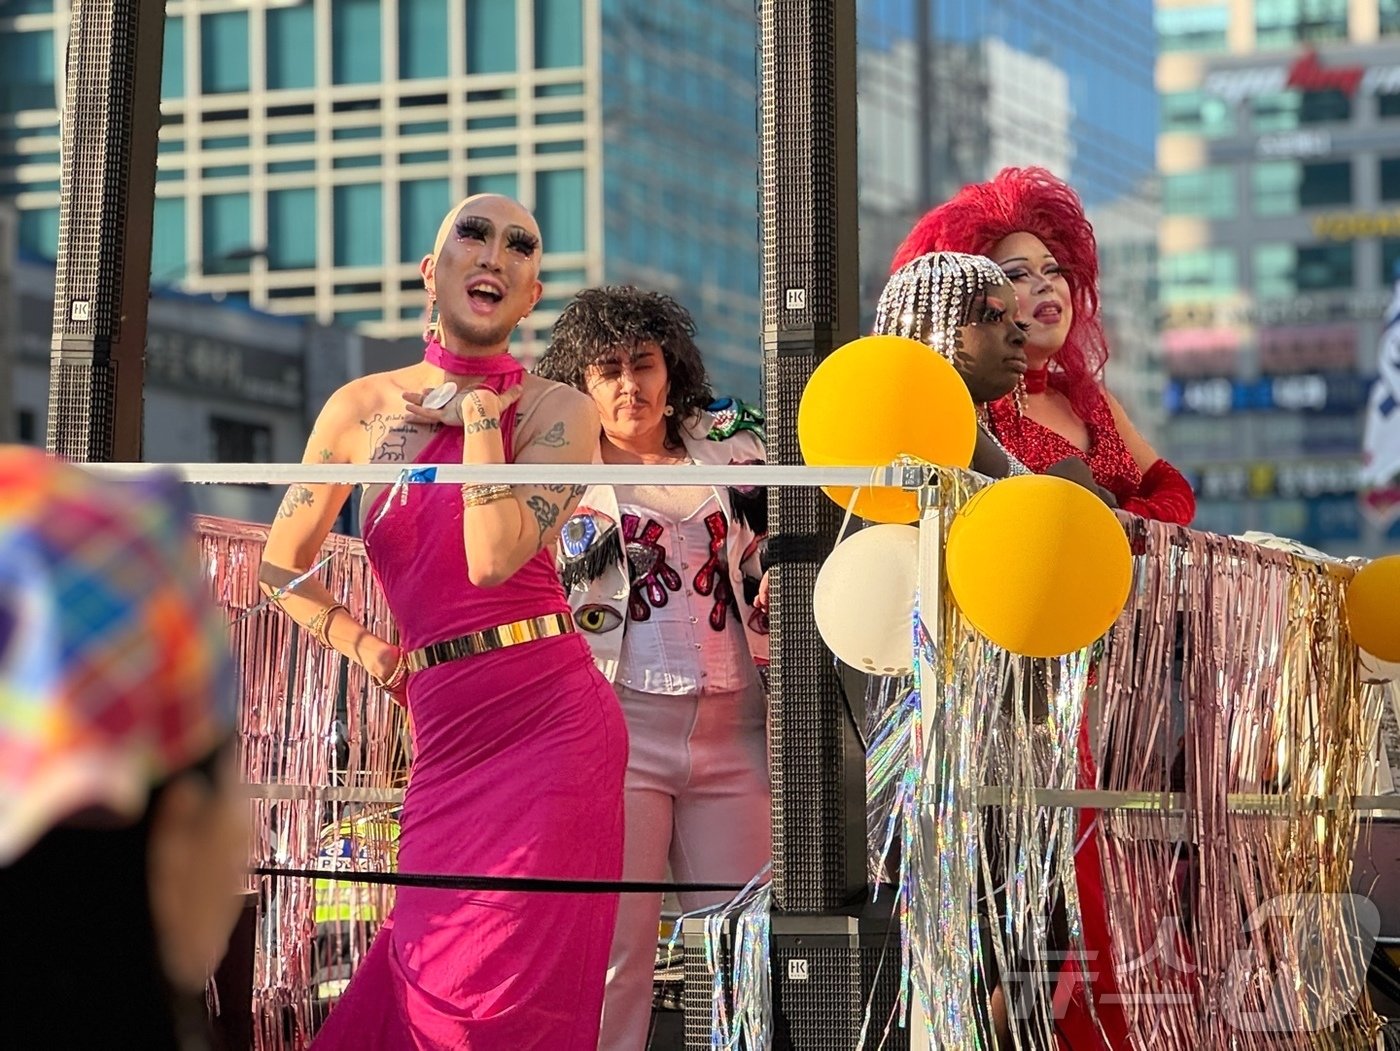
1279,155
952,92
309,148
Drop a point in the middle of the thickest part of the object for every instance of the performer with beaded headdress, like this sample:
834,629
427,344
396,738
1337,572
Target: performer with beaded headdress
964,307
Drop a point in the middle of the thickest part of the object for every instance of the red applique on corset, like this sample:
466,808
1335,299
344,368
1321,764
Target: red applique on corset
1036,446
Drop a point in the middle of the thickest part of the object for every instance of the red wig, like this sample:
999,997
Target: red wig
1034,201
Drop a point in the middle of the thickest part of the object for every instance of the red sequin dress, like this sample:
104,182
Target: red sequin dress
1037,446
1113,467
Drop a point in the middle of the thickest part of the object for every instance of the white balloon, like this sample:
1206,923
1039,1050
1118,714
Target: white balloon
1371,669
863,601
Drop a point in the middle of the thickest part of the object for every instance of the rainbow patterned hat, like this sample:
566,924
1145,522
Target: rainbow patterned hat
115,671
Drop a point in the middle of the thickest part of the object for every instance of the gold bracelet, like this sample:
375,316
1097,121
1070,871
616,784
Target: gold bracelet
321,622
396,677
476,495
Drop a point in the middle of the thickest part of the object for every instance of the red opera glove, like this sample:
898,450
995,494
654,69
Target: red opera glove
1164,495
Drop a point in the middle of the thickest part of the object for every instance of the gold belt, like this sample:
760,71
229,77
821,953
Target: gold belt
488,640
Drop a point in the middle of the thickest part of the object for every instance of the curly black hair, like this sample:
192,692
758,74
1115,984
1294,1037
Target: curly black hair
599,322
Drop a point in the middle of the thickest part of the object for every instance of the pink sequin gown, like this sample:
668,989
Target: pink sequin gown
518,767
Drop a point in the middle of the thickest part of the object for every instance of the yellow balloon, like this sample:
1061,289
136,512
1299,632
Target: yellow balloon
1038,565
878,398
1373,608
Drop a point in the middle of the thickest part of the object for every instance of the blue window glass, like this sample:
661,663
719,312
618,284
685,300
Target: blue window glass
354,318
359,225
559,209
38,232
422,38
26,71
355,33
477,153
422,204
226,234
172,60
291,228
291,47
504,183
490,36
558,33
168,261
223,52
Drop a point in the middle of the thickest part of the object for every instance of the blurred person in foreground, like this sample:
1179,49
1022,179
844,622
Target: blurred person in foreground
123,838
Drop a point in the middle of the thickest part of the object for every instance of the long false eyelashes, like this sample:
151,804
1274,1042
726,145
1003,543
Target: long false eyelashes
470,227
480,229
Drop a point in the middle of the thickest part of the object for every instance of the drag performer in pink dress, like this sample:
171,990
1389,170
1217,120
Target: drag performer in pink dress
519,743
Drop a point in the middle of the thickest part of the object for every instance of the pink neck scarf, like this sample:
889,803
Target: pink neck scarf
500,371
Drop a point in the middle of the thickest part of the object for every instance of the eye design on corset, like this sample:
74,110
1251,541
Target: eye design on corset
597,620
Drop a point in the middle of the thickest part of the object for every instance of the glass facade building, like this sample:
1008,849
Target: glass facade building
952,91
1280,236
309,149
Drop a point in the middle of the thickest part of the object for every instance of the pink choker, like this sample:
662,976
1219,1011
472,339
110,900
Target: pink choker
470,364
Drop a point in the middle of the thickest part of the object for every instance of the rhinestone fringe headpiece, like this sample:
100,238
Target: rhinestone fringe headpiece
931,297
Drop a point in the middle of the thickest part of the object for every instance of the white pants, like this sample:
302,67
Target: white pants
698,798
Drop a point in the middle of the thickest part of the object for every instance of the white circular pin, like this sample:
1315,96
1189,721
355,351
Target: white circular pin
440,397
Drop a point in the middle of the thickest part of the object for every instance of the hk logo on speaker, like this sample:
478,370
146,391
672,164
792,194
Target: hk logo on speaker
797,970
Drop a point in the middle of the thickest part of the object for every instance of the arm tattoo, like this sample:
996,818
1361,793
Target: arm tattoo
546,513
484,424
553,438
480,408
325,456
572,490
297,496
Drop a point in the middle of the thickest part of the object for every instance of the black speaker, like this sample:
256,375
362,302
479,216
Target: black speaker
811,287
835,979
111,116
